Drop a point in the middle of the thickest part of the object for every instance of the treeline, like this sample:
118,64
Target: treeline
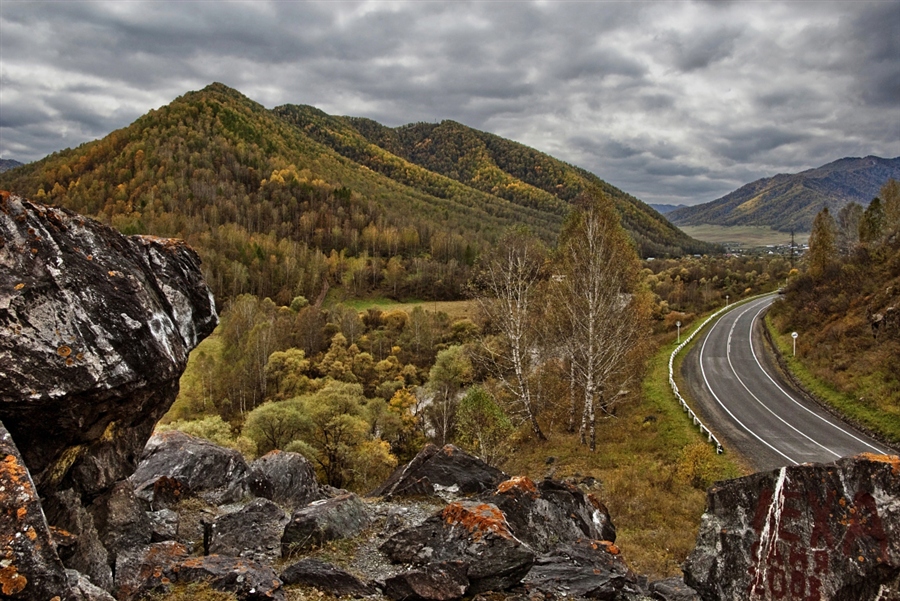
690,286
842,304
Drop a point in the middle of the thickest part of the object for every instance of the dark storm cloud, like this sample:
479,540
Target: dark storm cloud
672,102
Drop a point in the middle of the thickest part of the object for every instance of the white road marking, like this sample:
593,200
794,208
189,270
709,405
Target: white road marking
795,401
722,405
756,398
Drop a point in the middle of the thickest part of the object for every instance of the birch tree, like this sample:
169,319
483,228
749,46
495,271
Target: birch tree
601,319
507,286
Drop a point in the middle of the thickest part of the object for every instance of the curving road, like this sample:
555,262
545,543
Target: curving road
746,402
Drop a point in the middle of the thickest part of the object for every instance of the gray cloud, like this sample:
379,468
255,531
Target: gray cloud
672,102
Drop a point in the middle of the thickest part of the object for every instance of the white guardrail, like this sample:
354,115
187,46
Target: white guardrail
703,429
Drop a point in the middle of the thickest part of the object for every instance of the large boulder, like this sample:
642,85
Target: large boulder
97,328
284,477
811,531
254,532
440,581
343,516
551,512
176,466
475,534
436,469
325,577
583,569
245,579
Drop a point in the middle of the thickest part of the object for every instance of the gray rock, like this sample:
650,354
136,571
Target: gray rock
442,581
550,513
829,531
31,568
448,468
321,521
672,589
147,569
163,525
327,578
176,466
286,478
589,569
120,520
97,328
475,534
85,590
254,532
246,579
87,555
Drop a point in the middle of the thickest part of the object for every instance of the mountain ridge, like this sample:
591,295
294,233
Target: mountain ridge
288,201
788,201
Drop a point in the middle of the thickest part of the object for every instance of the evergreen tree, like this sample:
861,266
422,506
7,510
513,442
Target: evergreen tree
822,244
871,226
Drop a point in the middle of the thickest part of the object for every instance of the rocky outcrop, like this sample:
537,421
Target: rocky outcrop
95,330
802,532
175,466
446,468
551,512
475,534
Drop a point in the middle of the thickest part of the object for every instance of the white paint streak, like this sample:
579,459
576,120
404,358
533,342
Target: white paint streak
768,538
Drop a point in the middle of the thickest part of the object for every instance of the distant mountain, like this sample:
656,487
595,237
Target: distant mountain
291,201
665,209
790,201
7,164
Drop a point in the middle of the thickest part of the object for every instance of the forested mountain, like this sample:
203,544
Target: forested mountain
493,165
790,201
7,164
289,202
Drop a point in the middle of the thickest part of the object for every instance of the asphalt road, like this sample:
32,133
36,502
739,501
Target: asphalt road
745,400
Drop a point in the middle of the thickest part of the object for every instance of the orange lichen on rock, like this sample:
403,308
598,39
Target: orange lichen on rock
14,472
11,582
892,460
64,351
477,519
610,547
520,482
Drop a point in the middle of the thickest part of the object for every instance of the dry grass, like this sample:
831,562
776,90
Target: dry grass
454,309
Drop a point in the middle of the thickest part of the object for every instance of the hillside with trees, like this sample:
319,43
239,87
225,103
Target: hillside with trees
293,202
789,202
517,173
846,309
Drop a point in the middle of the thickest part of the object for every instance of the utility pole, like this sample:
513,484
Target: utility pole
792,249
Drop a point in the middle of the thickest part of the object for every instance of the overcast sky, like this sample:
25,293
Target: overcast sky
674,102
